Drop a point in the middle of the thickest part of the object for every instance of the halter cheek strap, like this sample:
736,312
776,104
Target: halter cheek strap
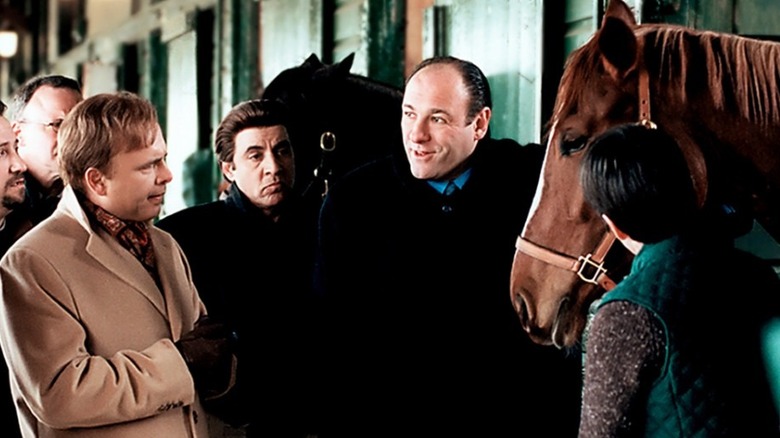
644,100
693,154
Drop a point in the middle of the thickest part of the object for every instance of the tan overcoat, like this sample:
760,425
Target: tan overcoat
88,335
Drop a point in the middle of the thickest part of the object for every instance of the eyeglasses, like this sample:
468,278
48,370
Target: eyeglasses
53,125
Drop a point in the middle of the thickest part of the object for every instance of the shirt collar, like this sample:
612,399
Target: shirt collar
460,181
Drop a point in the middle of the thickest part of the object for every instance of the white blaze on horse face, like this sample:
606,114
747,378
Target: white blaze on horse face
540,185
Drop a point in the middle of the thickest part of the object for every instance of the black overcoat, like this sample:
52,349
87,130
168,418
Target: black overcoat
423,336
256,275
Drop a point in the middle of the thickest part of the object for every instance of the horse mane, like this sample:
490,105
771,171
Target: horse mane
742,74
373,94
581,67
307,87
374,86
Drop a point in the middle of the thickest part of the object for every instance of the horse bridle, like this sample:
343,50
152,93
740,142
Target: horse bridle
590,267
323,170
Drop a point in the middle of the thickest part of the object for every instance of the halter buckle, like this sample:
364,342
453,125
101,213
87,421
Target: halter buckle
586,261
328,141
647,123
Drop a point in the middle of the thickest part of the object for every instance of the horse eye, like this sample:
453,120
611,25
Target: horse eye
569,146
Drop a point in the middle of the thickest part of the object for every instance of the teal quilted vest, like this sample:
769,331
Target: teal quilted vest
711,302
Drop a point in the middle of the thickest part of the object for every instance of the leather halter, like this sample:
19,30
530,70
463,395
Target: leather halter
590,267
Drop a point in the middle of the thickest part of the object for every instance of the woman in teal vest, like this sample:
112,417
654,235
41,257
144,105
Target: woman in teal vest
675,349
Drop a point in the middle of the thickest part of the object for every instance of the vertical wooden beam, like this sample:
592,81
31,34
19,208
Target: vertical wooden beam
386,42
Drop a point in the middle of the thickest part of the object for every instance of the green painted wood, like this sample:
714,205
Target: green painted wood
502,37
245,35
200,169
156,88
578,10
386,27
349,19
667,11
577,31
715,15
350,33
759,18
291,31
743,17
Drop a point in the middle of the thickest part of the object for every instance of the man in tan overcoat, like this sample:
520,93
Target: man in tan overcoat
95,299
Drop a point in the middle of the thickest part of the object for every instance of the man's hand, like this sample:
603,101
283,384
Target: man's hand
209,351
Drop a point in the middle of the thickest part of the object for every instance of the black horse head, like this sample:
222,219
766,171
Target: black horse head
357,117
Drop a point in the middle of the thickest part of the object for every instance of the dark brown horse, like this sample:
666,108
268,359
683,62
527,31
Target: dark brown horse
717,94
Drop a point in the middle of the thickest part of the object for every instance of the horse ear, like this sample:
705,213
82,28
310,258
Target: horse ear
346,64
336,70
620,10
618,45
312,61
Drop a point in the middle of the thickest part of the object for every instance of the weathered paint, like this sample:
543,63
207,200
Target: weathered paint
502,37
291,30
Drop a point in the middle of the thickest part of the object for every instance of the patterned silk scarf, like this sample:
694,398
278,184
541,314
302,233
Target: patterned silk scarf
133,236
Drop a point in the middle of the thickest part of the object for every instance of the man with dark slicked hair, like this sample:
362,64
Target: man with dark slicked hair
251,255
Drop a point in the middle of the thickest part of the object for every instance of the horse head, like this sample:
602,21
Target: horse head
707,90
559,261
296,86
339,119
307,90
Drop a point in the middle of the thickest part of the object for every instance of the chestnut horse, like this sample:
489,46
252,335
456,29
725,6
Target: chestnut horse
716,93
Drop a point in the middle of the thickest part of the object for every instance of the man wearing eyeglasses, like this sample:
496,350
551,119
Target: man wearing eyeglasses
37,110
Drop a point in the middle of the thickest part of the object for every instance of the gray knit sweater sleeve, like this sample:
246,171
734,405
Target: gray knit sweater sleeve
625,349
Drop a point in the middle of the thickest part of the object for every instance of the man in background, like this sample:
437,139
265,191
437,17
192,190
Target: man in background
11,227
37,110
12,187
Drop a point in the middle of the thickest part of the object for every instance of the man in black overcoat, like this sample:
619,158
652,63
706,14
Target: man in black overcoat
414,265
251,255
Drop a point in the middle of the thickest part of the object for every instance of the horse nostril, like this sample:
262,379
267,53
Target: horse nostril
522,310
